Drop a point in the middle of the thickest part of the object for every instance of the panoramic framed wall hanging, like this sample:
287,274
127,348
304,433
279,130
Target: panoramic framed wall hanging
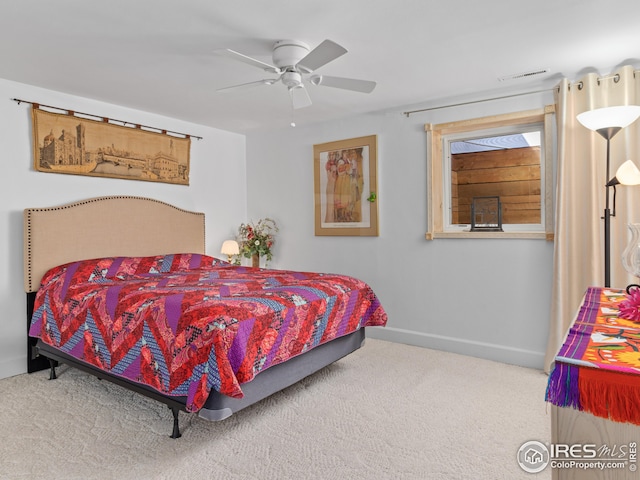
72,144
345,177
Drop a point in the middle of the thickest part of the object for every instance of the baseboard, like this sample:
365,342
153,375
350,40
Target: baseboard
13,366
489,351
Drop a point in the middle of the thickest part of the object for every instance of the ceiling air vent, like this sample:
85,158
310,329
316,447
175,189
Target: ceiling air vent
524,75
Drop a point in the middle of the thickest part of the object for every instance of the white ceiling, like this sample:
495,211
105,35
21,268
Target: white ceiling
157,55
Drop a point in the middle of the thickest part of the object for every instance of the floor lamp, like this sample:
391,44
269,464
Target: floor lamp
607,122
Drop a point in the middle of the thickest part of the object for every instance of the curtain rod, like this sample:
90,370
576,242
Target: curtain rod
107,120
475,101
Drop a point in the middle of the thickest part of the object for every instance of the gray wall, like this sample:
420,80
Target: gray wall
488,298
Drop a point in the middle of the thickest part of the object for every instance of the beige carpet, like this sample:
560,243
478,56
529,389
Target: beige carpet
388,411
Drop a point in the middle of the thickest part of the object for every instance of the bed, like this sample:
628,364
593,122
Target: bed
121,287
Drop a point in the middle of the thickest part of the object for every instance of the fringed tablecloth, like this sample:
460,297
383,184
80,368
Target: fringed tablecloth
597,369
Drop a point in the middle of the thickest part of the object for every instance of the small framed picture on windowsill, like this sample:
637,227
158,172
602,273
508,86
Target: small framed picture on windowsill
486,214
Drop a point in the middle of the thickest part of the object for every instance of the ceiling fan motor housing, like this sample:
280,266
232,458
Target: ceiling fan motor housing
287,53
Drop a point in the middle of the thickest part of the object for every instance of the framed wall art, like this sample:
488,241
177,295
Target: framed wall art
67,143
345,177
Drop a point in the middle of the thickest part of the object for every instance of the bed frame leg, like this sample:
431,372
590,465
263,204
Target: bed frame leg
176,428
52,371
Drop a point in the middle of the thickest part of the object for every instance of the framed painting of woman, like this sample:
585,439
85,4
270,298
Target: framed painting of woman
345,187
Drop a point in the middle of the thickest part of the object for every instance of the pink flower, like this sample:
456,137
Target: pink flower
630,307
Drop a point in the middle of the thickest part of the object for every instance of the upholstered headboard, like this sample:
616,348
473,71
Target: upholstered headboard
104,227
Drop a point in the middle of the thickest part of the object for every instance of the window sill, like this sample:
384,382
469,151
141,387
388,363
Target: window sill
521,235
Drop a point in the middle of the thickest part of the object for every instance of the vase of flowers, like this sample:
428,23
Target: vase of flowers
256,240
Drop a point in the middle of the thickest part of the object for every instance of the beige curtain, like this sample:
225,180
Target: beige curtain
580,195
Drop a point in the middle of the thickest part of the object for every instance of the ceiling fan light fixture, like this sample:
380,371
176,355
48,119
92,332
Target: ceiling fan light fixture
299,97
291,79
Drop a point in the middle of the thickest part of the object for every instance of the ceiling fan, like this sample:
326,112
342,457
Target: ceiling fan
292,60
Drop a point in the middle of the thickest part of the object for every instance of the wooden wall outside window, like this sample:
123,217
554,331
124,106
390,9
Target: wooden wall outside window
512,174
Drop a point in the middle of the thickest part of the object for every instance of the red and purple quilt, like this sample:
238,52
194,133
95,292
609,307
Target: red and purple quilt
187,323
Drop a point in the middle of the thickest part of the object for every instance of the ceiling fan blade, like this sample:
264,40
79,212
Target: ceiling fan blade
227,52
299,97
324,53
363,86
265,81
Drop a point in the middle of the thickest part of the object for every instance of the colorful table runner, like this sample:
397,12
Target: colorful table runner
597,369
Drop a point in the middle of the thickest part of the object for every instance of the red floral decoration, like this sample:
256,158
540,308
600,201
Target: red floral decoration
630,307
257,239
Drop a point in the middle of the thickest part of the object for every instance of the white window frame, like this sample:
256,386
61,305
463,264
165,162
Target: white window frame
439,172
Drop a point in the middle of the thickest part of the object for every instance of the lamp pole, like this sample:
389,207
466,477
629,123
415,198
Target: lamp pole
607,134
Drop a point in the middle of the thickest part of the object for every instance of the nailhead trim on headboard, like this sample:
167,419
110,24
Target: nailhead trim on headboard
28,253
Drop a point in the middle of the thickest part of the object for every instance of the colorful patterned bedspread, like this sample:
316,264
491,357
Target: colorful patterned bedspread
597,369
186,323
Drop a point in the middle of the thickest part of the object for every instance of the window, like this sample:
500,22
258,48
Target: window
507,157
504,162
